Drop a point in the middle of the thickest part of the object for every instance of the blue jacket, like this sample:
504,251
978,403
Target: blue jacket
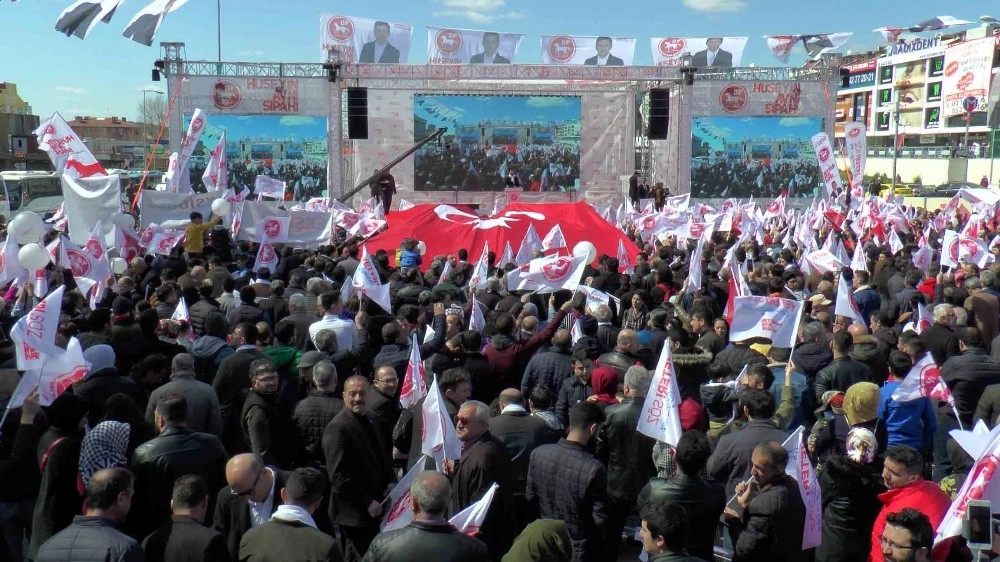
410,258
868,301
908,423
800,389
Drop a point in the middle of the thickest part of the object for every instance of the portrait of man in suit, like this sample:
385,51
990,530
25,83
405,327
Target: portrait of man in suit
713,55
380,50
491,42
604,56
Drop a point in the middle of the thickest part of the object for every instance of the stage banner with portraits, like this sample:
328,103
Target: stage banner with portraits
255,95
967,68
365,41
447,45
587,50
705,52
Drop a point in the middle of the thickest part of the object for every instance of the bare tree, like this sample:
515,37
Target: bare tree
152,113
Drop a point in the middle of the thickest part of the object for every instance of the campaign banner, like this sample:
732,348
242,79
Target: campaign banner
801,469
306,229
447,45
364,40
856,147
88,200
780,99
255,95
827,163
159,207
773,318
588,50
660,414
704,52
967,73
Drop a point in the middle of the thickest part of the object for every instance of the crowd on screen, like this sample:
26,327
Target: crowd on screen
742,179
487,168
303,178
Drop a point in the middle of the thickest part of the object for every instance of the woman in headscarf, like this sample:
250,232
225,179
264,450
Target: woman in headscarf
545,540
860,410
604,381
850,486
105,446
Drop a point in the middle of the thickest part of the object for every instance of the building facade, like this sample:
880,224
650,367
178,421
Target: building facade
18,146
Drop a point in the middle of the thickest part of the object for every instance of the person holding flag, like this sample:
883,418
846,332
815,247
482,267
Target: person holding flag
194,234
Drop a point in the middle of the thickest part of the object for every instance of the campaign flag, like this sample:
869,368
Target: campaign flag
773,318
923,320
468,46
625,265
270,187
59,371
967,74
890,34
66,150
923,380
216,176
856,149
694,267
922,258
587,50
548,274
576,332
596,298
470,519
82,16
445,271
529,245
824,261
127,243
660,414
895,244
34,335
367,282
143,27
776,208
980,484
195,128
554,239
366,226
477,321
827,159
181,312
802,471
507,257
172,177
820,44
481,271
703,52
10,265
414,384
398,513
439,440
859,262
363,40
846,306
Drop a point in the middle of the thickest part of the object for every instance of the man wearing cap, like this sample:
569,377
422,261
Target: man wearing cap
819,303
203,412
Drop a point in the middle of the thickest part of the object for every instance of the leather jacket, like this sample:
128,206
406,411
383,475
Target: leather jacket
421,541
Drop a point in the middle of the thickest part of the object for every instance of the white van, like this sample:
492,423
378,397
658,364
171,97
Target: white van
40,192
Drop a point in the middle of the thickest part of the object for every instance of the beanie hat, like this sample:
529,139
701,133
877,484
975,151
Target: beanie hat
101,356
861,402
182,362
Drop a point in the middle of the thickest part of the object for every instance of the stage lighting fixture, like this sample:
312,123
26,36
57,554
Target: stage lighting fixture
156,75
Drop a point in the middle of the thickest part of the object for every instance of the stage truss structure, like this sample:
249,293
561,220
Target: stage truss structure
515,79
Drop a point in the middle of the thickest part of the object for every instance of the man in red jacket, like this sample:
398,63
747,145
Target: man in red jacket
904,466
505,354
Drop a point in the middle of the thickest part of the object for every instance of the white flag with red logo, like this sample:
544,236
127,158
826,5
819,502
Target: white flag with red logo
773,318
980,484
895,244
266,185
66,150
859,262
856,151
127,243
181,312
507,257
576,332
660,415
481,271
846,306
554,239
923,319
956,248
776,208
548,274
367,283
172,177
922,258
625,264
366,226
216,176
824,261
34,335
439,440
273,230
477,321
923,380
59,371
470,519
678,203
414,384
694,267
10,265
529,245
802,471
399,512
195,128
445,272
160,240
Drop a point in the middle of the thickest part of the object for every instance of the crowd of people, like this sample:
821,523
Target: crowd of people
724,178
304,178
268,426
483,168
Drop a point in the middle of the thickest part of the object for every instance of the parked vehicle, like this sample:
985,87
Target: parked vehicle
949,189
40,192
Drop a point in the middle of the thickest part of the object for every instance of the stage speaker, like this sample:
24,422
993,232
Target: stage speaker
659,114
357,113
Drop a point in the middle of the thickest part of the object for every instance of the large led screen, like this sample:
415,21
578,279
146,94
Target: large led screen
761,157
496,142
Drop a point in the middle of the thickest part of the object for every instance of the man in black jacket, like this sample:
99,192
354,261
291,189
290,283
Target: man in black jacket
623,356
200,310
773,512
396,351
940,338
813,354
521,433
627,453
969,373
359,470
549,368
730,463
250,498
314,412
265,420
175,452
429,536
103,381
566,482
384,406
607,333
185,538
247,309
844,370
665,530
231,383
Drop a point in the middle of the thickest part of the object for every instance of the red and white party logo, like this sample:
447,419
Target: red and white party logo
854,132
672,46
696,230
93,247
147,236
267,253
970,246
649,223
733,98
63,383
79,264
226,94
557,269
341,28
824,154
562,48
166,244
448,41
272,228
50,130
369,228
398,508
349,219
198,124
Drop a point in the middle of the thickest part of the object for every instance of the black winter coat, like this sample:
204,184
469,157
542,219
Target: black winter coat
91,539
101,385
940,341
840,375
773,524
850,506
483,463
421,541
548,369
811,358
244,313
627,453
199,312
268,429
967,376
230,383
58,497
520,433
703,501
312,414
730,462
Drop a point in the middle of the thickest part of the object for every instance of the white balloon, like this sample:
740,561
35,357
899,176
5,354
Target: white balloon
220,207
421,247
585,248
33,256
27,227
122,220
118,265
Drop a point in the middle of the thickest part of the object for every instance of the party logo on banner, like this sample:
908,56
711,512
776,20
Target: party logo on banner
733,98
341,28
448,41
672,46
562,48
226,94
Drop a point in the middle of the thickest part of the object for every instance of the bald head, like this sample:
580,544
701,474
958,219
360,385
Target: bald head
430,494
856,329
529,323
511,396
629,339
562,339
198,273
243,465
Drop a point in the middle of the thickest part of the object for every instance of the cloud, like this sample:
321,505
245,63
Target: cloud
250,53
547,101
297,120
716,5
478,17
475,5
796,121
70,90
477,11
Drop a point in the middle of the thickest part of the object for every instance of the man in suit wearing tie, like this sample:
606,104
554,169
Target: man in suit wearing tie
491,42
249,500
713,55
604,56
379,50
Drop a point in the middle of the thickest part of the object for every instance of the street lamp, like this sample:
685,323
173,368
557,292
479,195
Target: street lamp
145,137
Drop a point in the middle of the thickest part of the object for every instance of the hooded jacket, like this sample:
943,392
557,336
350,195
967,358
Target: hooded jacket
208,353
868,352
506,355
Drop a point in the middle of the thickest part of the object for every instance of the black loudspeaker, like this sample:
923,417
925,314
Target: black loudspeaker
659,114
357,113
